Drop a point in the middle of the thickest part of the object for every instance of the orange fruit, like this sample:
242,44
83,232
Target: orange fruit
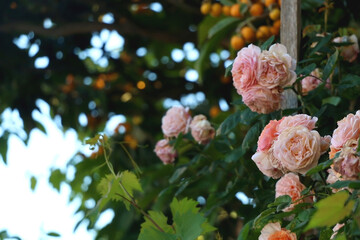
248,34
279,1
257,9
205,8
274,14
237,42
216,10
235,10
226,10
263,33
274,30
269,2
277,24
214,111
245,1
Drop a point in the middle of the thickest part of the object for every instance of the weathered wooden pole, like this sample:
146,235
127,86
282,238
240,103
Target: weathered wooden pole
291,26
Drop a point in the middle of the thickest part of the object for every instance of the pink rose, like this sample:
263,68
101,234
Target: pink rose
348,163
350,52
298,149
273,231
335,229
261,99
297,120
165,151
176,120
348,128
290,185
201,129
244,68
311,82
276,67
267,164
324,144
268,135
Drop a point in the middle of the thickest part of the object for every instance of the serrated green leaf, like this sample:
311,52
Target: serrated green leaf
207,227
331,210
331,100
53,234
223,24
251,137
151,233
330,65
160,219
188,225
183,206
267,43
243,235
33,182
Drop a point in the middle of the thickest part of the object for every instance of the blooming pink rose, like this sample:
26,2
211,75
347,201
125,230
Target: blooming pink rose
298,149
261,99
268,135
348,128
311,82
244,68
276,67
273,231
201,129
266,163
350,52
297,120
290,185
176,120
348,163
335,229
324,144
165,151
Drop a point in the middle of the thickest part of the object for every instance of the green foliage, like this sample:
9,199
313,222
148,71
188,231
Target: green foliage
56,178
331,210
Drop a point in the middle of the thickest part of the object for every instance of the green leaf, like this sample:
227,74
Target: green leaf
33,182
306,70
53,234
324,40
223,24
267,43
325,234
322,166
56,178
150,233
4,146
346,183
331,100
284,199
228,69
227,2
331,210
251,137
178,172
244,8
330,65
160,219
243,235
230,122
341,236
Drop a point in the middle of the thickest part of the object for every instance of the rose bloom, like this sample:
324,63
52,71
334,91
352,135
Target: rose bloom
290,185
348,163
268,135
324,144
201,129
350,52
297,120
273,231
244,68
176,120
267,164
336,228
348,128
298,149
261,99
311,82
276,67
165,151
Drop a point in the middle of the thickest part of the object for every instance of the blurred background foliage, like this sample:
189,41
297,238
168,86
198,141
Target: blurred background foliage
129,61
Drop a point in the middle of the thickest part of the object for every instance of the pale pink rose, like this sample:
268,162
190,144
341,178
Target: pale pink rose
261,99
244,68
264,161
324,144
276,67
348,128
350,52
297,120
290,185
311,82
176,120
268,136
165,151
273,231
348,163
335,229
333,177
298,149
201,129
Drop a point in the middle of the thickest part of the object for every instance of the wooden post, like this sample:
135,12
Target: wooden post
291,26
